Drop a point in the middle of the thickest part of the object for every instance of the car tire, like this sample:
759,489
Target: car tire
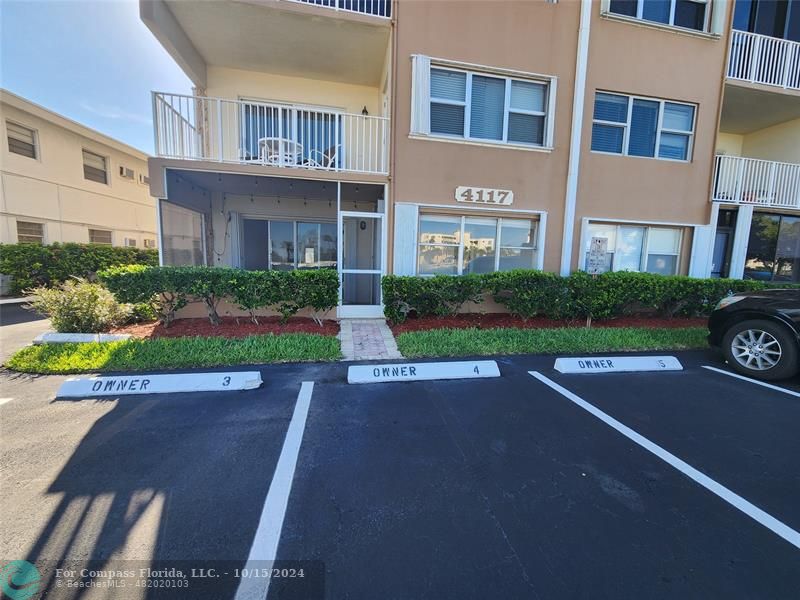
750,347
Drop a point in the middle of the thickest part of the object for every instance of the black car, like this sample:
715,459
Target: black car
759,332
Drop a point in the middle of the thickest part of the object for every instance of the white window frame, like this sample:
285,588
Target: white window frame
421,102
498,245
467,104
626,126
673,4
645,249
34,135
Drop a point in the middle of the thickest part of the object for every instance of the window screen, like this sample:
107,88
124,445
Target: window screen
100,236
21,140
30,233
94,167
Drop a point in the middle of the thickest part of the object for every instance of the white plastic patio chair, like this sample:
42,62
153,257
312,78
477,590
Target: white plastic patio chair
322,160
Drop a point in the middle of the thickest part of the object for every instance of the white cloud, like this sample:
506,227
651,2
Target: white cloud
114,112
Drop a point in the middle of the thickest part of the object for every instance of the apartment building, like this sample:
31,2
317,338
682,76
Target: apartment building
463,136
756,189
61,181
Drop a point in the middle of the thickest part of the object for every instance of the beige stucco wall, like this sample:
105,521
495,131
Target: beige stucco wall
780,143
428,171
729,144
662,64
623,57
51,189
236,84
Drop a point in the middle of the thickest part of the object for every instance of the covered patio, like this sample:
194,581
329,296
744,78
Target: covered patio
264,222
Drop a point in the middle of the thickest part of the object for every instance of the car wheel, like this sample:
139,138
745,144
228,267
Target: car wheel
761,349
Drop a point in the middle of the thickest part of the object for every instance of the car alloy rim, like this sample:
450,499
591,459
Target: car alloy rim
756,349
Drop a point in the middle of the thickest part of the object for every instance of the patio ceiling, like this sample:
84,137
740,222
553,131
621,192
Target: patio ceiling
745,109
245,185
282,37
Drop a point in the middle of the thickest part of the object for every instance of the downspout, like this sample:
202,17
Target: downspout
573,170
389,211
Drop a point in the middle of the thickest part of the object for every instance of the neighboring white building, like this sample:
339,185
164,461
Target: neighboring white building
63,182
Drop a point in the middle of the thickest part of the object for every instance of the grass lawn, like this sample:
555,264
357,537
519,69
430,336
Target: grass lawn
484,342
173,353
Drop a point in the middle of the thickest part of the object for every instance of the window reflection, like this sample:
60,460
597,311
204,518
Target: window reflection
773,250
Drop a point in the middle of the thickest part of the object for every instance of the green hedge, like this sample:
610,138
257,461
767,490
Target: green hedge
169,288
530,293
33,265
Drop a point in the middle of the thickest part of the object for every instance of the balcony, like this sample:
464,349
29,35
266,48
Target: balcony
345,41
377,8
274,135
763,183
764,60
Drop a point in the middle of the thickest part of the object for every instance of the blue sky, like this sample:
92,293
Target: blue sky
92,61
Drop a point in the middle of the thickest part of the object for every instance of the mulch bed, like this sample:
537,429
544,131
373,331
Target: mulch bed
494,320
231,327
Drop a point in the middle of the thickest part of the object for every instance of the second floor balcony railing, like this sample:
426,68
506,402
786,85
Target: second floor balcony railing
279,135
766,183
378,8
766,60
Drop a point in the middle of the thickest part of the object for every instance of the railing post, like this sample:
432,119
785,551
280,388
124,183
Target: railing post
337,151
788,56
739,180
220,146
756,51
156,140
771,195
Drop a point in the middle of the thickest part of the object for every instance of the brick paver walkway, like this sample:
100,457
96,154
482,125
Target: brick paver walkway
367,339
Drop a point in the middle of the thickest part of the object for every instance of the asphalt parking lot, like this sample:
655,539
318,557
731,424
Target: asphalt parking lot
488,488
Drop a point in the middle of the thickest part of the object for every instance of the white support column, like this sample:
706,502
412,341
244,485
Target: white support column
741,235
405,239
573,170
159,233
703,246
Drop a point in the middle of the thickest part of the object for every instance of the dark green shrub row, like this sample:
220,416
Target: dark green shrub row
529,293
169,288
32,265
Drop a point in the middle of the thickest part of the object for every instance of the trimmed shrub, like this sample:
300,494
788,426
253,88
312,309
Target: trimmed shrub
440,295
32,265
137,284
169,288
77,306
529,293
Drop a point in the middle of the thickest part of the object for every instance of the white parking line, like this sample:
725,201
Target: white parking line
761,383
752,511
268,534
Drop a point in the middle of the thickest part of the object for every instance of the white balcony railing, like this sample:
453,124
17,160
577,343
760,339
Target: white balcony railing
753,181
762,59
378,8
232,131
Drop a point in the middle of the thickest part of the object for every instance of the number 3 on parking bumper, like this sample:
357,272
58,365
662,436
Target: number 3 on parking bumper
226,381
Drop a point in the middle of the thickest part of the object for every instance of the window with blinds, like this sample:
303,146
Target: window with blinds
94,167
30,233
690,14
486,107
100,236
21,140
645,127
